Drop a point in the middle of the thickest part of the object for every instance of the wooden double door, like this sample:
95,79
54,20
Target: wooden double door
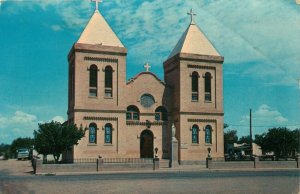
146,144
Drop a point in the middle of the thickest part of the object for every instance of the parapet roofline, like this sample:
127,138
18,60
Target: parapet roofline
143,73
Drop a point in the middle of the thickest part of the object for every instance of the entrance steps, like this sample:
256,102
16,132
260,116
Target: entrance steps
163,163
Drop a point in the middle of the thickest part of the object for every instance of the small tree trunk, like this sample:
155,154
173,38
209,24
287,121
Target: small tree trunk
56,157
44,158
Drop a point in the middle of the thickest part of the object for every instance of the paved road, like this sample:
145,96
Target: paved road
286,181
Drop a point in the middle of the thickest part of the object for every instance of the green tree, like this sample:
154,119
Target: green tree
244,139
296,140
55,138
225,125
20,142
282,141
260,140
5,151
230,137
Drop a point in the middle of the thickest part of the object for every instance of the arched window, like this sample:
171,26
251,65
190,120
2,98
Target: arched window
195,88
93,133
108,81
208,137
132,113
207,86
161,114
108,133
195,134
93,80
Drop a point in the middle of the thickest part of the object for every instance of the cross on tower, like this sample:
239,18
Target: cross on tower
192,14
97,3
147,67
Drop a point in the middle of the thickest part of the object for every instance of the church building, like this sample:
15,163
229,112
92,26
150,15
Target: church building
133,118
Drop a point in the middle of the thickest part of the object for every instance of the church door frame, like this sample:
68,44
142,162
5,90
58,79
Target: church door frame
146,144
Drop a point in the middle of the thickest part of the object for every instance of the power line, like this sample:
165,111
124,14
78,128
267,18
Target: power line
290,125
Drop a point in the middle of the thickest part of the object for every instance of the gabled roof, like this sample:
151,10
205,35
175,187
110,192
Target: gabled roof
97,31
193,41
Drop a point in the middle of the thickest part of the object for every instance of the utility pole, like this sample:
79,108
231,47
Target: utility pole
251,134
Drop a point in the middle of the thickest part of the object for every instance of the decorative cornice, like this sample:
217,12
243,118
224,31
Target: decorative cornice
98,59
155,123
201,67
202,120
100,118
194,57
100,49
201,113
99,111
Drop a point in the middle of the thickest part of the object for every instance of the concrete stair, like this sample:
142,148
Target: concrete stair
163,163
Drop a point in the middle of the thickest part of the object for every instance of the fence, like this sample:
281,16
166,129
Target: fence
84,160
255,163
96,164
128,160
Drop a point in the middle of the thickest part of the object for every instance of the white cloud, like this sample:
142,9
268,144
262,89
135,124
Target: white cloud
263,118
20,124
260,38
266,114
22,117
56,27
18,118
58,119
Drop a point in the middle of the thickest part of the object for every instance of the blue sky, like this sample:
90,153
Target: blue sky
258,38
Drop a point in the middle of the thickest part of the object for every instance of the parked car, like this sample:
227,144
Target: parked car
23,153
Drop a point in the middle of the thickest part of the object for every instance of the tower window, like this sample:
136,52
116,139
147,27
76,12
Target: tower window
93,133
195,88
108,81
195,134
132,113
208,136
207,86
93,80
108,133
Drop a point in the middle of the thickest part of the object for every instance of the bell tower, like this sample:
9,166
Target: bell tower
97,80
194,72
97,68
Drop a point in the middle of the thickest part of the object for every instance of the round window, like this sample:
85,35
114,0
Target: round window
147,100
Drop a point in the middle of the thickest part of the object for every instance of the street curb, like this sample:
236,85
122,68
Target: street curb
173,171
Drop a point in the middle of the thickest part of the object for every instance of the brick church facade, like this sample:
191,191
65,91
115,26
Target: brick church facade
129,119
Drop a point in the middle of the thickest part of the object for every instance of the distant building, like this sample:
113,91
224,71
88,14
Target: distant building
243,149
131,118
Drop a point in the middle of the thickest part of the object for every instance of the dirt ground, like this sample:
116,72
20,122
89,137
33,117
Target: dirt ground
16,167
13,168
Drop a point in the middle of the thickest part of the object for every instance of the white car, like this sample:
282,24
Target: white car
23,153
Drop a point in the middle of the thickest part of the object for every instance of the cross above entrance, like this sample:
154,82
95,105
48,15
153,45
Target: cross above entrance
97,3
147,67
192,14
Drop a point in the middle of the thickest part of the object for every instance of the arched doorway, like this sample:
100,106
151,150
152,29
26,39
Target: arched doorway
146,144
